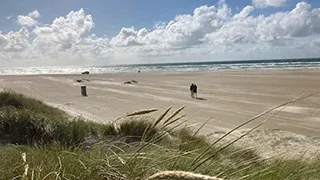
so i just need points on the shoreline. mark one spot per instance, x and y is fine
(173, 67)
(172, 72)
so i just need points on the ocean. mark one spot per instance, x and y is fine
(169, 67)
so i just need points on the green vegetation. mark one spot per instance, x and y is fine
(42, 142)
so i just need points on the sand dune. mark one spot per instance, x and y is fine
(230, 98)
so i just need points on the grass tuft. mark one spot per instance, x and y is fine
(134, 129)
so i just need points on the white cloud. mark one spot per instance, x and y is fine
(14, 41)
(8, 17)
(127, 37)
(209, 33)
(29, 20)
(34, 14)
(3, 40)
(184, 31)
(62, 36)
(26, 21)
(244, 13)
(268, 3)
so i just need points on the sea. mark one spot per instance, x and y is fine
(170, 67)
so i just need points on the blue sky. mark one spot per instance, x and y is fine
(262, 29)
(111, 15)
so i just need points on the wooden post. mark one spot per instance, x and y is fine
(84, 91)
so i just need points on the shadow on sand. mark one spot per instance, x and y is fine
(202, 99)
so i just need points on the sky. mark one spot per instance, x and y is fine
(104, 32)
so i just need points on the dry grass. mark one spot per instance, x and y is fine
(137, 147)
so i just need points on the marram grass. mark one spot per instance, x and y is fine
(41, 142)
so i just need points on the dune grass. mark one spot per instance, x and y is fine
(42, 142)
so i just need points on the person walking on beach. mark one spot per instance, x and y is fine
(195, 90)
(192, 89)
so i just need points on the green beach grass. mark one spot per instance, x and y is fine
(38, 141)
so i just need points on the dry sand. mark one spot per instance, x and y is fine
(229, 98)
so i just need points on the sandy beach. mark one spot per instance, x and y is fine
(228, 98)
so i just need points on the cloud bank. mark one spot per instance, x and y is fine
(209, 33)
